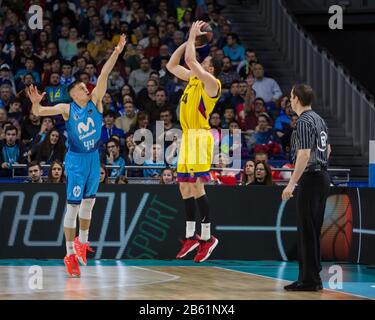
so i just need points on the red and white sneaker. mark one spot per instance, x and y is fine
(72, 265)
(205, 249)
(81, 250)
(188, 245)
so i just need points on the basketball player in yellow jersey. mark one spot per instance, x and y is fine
(196, 150)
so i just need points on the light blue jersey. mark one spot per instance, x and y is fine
(82, 161)
(84, 128)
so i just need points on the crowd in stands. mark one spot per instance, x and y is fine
(76, 40)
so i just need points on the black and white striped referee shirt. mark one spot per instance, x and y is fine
(311, 133)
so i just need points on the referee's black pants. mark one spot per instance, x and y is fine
(313, 190)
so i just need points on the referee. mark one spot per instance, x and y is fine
(310, 153)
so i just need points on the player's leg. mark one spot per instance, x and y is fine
(81, 244)
(208, 242)
(191, 241)
(74, 185)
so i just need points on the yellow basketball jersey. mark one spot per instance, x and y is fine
(196, 106)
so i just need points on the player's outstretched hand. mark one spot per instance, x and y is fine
(121, 44)
(34, 95)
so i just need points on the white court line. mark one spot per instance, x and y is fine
(161, 272)
(274, 278)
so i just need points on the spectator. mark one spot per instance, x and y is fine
(4, 120)
(85, 78)
(248, 175)
(146, 97)
(56, 92)
(167, 176)
(35, 172)
(138, 78)
(263, 174)
(80, 66)
(228, 75)
(263, 132)
(91, 71)
(163, 54)
(286, 138)
(30, 127)
(15, 110)
(56, 172)
(12, 152)
(47, 124)
(104, 179)
(143, 122)
(66, 77)
(156, 161)
(5, 95)
(266, 88)
(29, 67)
(6, 77)
(109, 104)
(52, 148)
(128, 119)
(115, 82)
(245, 67)
(68, 48)
(222, 177)
(233, 49)
(228, 117)
(112, 157)
(98, 46)
(109, 129)
(182, 9)
(282, 123)
(225, 30)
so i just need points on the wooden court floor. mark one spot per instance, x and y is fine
(169, 281)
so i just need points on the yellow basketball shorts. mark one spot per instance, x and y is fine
(195, 156)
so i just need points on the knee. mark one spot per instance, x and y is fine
(198, 190)
(70, 219)
(85, 210)
(185, 190)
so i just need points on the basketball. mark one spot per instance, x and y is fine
(206, 38)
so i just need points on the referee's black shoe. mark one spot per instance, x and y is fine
(300, 286)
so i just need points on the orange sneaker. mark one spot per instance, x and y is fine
(81, 250)
(72, 265)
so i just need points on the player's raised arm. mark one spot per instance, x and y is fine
(101, 85)
(211, 87)
(174, 66)
(38, 110)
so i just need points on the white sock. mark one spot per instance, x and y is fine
(69, 248)
(206, 231)
(190, 229)
(83, 236)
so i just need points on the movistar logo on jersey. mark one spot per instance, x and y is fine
(84, 129)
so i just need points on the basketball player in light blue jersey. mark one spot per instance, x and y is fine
(83, 118)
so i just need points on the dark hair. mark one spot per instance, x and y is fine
(106, 179)
(244, 177)
(110, 113)
(268, 178)
(11, 128)
(304, 93)
(122, 178)
(66, 63)
(50, 179)
(48, 151)
(234, 36)
(115, 141)
(73, 84)
(33, 164)
(165, 109)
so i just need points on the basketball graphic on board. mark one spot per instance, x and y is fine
(337, 230)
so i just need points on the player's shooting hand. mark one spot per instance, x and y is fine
(288, 192)
(196, 27)
(34, 95)
(121, 44)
